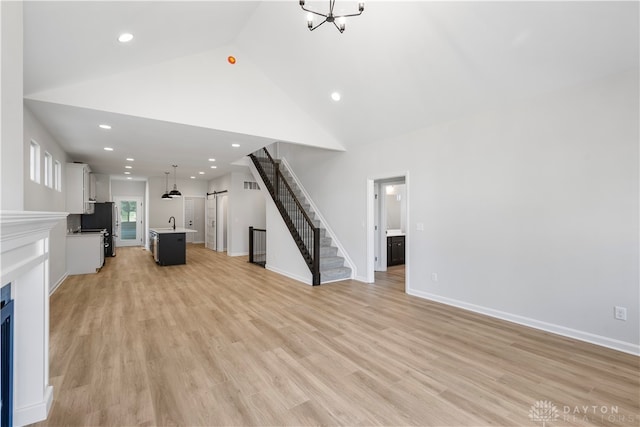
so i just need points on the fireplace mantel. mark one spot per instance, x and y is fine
(24, 262)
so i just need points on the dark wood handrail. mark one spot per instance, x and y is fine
(290, 191)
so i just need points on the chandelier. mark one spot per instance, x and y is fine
(337, 20)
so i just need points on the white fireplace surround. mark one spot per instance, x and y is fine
(24, 262)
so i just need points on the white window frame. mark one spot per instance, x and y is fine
(34, 161)
(48, 169)
(57, 175)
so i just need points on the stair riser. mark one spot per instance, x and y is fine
(335, 274)
(328, 251)
(333, 262)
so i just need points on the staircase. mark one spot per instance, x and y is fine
(306, 229)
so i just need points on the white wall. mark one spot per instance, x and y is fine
(239, 99)
(38, 197)
(530, 212)
(246, 208)
(124, 188)
(160, 210)
(283, 256)
(11, 152)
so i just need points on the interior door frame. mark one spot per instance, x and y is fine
(184, 213)
(371, 224)
(140, 221)
(215, 195)
(208, 219)
(224, 224)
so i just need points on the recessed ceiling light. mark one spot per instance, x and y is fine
(108, 149)
(128, 167)
(201, 173)
(235, 145)
(212, 160)
(129, 177)
(127, 173)
(129, 159)
(104, 127)
(335, 96)
(214, 167)
(193, 177)
(125, 37)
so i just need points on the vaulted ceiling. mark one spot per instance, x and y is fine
(171, 97)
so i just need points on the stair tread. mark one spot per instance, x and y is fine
(335, 274)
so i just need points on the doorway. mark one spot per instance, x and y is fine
(130, 221)
(388, 227)
(216, 221)
(194, 218)
(210, 233)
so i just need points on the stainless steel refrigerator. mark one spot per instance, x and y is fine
(104, 217)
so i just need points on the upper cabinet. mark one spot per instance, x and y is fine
(80, 189)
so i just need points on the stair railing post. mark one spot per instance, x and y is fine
(251, 244)
(316, 256)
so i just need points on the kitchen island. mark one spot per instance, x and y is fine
(169, 245)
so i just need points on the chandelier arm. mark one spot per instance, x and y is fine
(314, 12)
(311, 29)
(348, 16)
(337, 26)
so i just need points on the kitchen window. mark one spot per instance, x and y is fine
(34, 161)
(57, 175)
(48, 170)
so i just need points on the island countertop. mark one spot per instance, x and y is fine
(170, 230)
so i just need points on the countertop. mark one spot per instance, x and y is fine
(393, 233)
(170, 230)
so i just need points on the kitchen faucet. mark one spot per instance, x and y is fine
(174, 221)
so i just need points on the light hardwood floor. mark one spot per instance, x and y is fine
(219, 341)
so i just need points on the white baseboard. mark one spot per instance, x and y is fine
(623, 346)
(362, 279)
(36, 412)
(58, 283)
(305, 280)
(237, 253)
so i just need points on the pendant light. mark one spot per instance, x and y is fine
(175, 192)
(166, 195)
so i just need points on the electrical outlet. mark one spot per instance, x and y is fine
(434, 277)
(620, 313)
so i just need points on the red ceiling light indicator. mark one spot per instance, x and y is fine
(231, 59)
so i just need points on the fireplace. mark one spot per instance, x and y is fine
(6, 356)
(24, 258)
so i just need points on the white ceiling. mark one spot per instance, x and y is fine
(400, 66)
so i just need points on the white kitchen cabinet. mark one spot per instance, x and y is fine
(80, 189)
(85, 252)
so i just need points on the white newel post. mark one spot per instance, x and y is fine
(24, 262)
